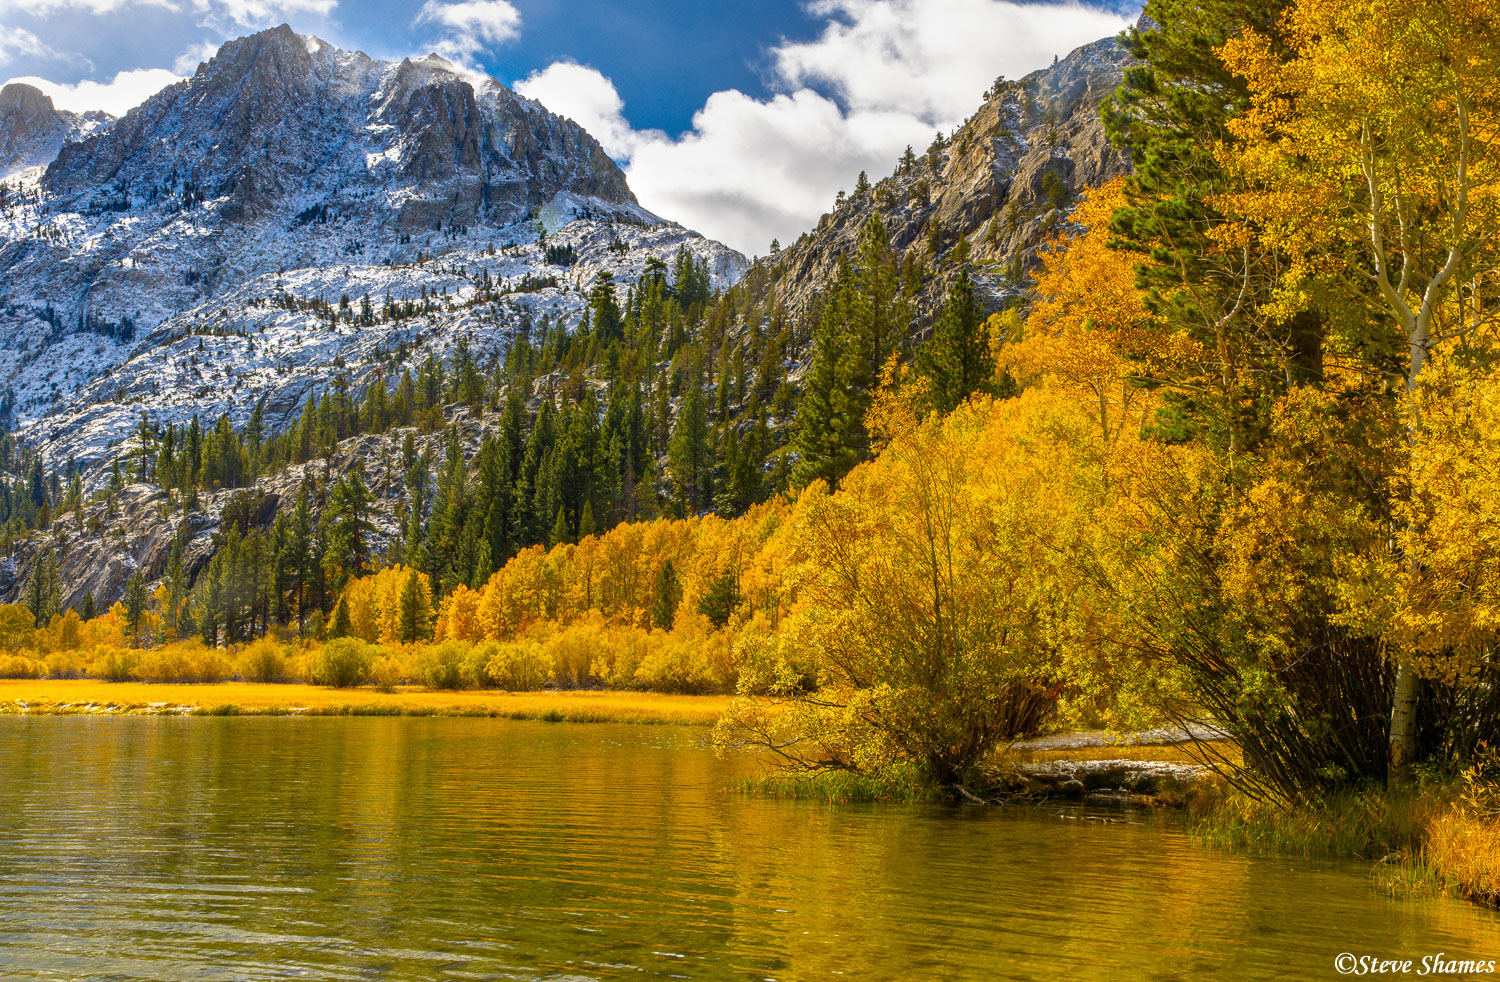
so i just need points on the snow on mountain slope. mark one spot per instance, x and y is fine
(32, 130)
(171, 262)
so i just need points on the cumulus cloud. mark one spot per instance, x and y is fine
(187, 63)
(229, 15)
(585, 96)
(470, 26)
(44, 8)
(222, 14)
(19, 42)
(882, 74)
(117, 96)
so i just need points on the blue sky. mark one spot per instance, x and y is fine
(739, 119)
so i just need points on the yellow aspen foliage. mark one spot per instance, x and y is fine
(1445, 602)
(1386, 110)
(1090, 328)
(458, 619)
(932, 610)
(375, 604)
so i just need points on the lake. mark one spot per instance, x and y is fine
(401, 848)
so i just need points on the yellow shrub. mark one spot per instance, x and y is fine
(517, 666)
(112, 664)
(442, 666)
(182, 662)
(262, 661)
(69, 664)
(387, 673)
(681, 665)
(573, 649)
(21, 667)
(476, 666)
(341, 663)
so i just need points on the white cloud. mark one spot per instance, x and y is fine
(228, 15)
(470, 26)
(751, 169)
(17, 41)
(920, 56)
(44, 8)
(117, 96)
(590, 100)
(187, 63)
(222, 14)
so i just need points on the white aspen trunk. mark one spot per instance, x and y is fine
(1403, 739)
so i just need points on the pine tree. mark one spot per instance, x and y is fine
(415, 623)
(604, 310)
(560, 533)
(1171, 117)
(347, 520)
(830, 437)
(668, 595)
(690, 454)
(340, 626)
(135, 606)
(44, 590)
(957, 360)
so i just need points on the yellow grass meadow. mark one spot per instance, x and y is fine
(86, 696)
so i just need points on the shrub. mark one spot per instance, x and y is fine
(183, 662)
(263, 661)
(441, 666)
(680, 665)
(476, 666)
(21, 667)
(519, 666)
(113, 664)
(387, 673)
(69, 664)
(341, 663)
(573, 651)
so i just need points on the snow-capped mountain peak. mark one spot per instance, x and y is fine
(245, 201)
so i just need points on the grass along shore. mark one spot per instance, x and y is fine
(54, 697)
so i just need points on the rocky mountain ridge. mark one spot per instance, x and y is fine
(33, 130)
(1003, 184)
(201, 253)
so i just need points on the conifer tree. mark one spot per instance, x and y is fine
(690, 454)
(135, 606)
(347, 520)
(668, 594)
(340, 626)
(830, 435)
(957, 360)
(416, 611)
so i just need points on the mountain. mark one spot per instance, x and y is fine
(32, 130)
(222, 248)
(189, 257)
(1005, 182)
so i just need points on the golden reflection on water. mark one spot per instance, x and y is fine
(456, 848)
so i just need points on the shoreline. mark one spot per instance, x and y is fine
(93, 697)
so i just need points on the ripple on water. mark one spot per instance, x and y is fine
(242, 848)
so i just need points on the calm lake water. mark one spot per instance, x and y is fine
(244, 848)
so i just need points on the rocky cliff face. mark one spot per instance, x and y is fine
(192, 257)
(278, 122)
(32, 130)
(1005, 183)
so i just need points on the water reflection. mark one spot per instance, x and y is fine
(455, 849)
